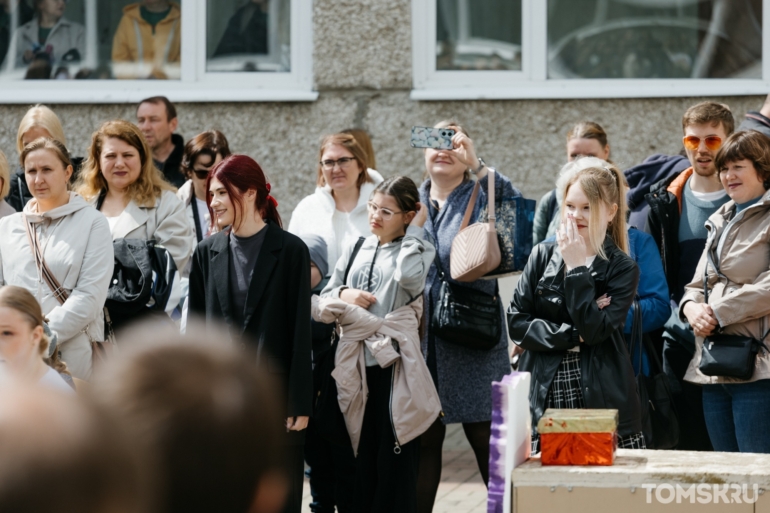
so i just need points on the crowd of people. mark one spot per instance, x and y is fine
(262, 350)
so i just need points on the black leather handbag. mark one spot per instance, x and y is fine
(466, 317)
(660, 423)
(733, 356)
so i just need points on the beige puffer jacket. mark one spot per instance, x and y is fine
(741, 297)
(414, 399)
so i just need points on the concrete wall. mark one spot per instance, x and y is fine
(363, 68)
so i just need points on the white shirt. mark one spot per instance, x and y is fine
(707, 196)
(203, 217)
(112, 222)
(53, 380)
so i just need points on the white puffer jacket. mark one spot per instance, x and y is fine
(77, 247)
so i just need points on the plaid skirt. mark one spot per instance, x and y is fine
(566, 392)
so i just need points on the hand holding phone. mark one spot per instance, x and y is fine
(430, 137)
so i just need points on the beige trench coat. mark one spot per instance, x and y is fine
(414, 399)
(741, 297)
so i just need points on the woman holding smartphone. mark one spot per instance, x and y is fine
(463, 376)
(575, 349)
(255, 277)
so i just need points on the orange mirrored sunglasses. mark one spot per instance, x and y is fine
(692, 143)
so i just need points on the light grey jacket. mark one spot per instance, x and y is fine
(65, 36)
(76, 245)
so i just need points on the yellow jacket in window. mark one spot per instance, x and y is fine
(140, 52)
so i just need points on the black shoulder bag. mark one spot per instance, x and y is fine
(327, 416)
(464, 316)
(731, 356)
(659, 419)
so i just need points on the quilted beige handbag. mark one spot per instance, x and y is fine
(475, 250)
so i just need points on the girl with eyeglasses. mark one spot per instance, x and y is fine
(337, 209)
(387, 274)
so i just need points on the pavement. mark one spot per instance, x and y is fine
(461, 489)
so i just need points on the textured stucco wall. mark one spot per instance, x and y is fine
(524, 139)
(362, 68)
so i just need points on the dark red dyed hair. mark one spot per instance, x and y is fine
(238, 174)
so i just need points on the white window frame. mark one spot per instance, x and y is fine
(532, 81)
(196, 84)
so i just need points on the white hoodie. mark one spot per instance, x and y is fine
(315, 214)
(77, 246)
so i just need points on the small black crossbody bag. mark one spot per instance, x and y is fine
(733, 356)
(464, 316)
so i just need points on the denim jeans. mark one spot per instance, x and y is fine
(737, 416)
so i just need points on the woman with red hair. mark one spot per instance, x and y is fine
(255, 277)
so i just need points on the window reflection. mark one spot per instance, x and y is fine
(478, 34)
(251, 35)
(655, 38)
(90, 39)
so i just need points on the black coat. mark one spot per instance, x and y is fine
(663, 225)
(172, 167)
(550, 311)
(277, 313)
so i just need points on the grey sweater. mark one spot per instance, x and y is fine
(394, 272)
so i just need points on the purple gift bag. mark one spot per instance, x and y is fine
(511, 439)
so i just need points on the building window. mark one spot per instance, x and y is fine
(250, 37)
(589, 48)
(146, 47)
(663, 39)
(478, 34)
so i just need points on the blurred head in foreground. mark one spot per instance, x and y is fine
(208, 416)
(60, 454)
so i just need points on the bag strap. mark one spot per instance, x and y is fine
(469, 208)
(475, 195)
(710, 261)
(356, 248)
(59, 292)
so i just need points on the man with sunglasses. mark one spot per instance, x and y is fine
(679, 208)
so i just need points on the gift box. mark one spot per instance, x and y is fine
(578, 437)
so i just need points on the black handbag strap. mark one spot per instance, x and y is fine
(637, 337)
(356, 249)
(710, 261)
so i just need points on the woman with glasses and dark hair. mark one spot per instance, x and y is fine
(337, 210)
(255, 277)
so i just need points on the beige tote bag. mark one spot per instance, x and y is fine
(475, 250)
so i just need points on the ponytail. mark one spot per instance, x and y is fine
(269, 208)
(618, 229)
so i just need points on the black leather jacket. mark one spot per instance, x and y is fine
(550, 311)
